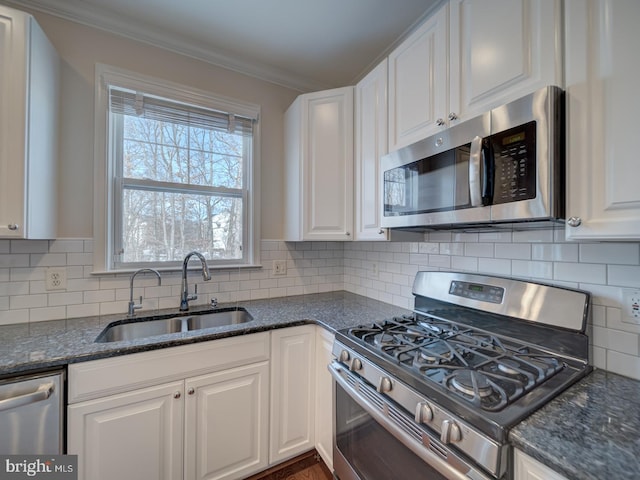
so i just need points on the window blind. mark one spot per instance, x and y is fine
(151, 107)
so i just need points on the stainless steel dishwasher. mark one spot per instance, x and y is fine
(31, 414)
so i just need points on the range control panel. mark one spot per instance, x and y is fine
(476, 291)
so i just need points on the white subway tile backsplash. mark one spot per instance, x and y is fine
(614, 253)
(580, 272)
(520, 251)
(312, 267)
(624, 275)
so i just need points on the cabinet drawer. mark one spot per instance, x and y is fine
(98, 378)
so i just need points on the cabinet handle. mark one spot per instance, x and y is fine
(574, 221)
(177, 395)
(453, 116)
(381, 231)
(440, 122)
(191, 391)
(12, 226)
(348, 234)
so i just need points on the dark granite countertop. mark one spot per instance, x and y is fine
(41, 345)
(589, 432)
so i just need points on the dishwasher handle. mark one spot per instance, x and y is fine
(43, 392)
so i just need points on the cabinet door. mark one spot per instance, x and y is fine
(324, 396)
(14, 27)
(292, 392)
(371, 144)
(319, 166)
(527, 468)
(226, 423)
(501, 50)
(29, 95)
(130, 436)
(418, 82)
(603, 201)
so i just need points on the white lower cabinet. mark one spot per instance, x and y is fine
(324, 396)
(227, 423)
(292, 392)
(198, 424)
(527, 468)
(133, 435)
(220, 410)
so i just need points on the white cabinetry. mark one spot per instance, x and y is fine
(370, 145)
(527, 468)
(501, 50)
(29, 95)
(324, 396)
(471, 56)
(230, 424)
(319, 166)
(123, 423)
(418, 82)
(292, 392)
(603, 201)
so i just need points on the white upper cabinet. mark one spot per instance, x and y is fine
(29, 95)
(319, 166)
(501, 50)
(418, 82)
(602, 38)
(370, 145)
(471, 56)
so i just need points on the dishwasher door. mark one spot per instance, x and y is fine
(31, 414)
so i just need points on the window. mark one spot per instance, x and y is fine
(179, 172)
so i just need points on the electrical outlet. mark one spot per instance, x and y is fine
(56, 278)
(375, 273)
(631, 308)
(279, 267)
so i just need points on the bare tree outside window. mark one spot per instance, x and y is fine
(181, 188)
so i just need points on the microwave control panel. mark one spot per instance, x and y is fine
(514, 154)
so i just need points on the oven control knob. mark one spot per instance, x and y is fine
(344, 356)
(384, 385)
(424, 413)
(356, 364)
(450, 432)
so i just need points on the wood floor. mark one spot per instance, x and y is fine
(307, 466)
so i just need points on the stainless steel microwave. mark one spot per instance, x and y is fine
(505, 167)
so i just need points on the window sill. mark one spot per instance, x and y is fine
(177, 269)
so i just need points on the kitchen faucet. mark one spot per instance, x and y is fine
(132, 305)
(184, 296)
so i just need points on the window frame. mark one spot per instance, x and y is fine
(106, 208)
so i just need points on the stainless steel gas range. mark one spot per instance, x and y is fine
(433, 395)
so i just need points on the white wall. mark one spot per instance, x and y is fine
(82, 47)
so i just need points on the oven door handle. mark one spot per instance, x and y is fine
(420, 449)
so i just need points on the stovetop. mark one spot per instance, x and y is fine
(485, 370)
(487, 349)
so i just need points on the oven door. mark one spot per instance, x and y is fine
(374, 440)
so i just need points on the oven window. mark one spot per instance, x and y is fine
(434, 184)
(372, 452)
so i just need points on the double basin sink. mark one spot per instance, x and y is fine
(137, 328)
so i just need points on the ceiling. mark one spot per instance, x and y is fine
(303, 44)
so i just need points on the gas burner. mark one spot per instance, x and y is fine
(509, 366)
(471, 383)
(435, 352)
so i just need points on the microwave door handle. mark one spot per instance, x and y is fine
(475, 181)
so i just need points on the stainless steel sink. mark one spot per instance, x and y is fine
(149, 327)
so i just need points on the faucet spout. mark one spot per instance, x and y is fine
(206, 275)
(132, 305)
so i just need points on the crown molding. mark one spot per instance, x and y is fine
(79, 12)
